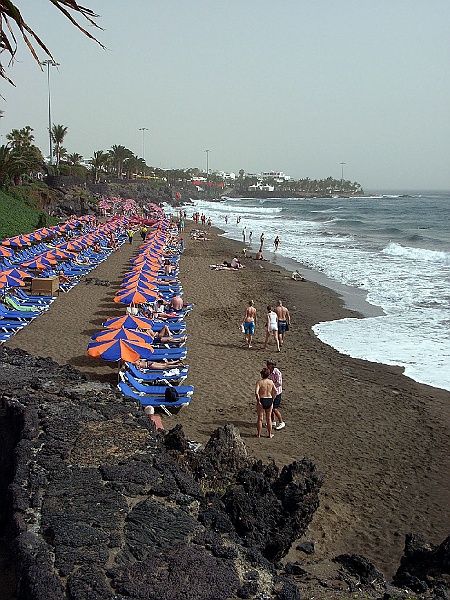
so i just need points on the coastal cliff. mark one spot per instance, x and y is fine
(95, 503)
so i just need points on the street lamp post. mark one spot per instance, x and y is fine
(207, 164)
(342, 174)
(143, 129)
(207, 172)
(50, 63)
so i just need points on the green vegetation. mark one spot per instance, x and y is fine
(19, 213)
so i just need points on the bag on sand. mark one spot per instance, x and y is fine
(171, 394)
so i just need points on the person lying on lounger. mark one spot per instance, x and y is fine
(159, 365)
(164, 336)
(63, 278)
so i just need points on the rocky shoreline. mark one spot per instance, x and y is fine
(94, 503)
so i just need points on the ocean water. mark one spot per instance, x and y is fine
(393, 248)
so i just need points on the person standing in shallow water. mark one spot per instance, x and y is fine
(276, 243)
(249, 323)
(265, 393)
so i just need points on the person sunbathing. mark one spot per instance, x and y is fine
(63, 278)
(235, 264)
(297, 276)
(164, 336)
(159, 365)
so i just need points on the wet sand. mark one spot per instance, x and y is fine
(380, 439)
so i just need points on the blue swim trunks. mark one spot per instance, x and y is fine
(281, 326)
(249, 327)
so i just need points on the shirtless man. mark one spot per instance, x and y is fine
(176, 303)
(249, 323)
(265, 393)
(284, 320)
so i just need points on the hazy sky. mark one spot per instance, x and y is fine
(292, 85)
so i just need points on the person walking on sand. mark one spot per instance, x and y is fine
(130, 234)
(276, 243)
(265, 393)
(272, 327)
(284, 320)
(277, 378)
(250, 323)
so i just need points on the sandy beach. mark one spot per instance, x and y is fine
(380, 439)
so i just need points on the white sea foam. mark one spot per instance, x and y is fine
(422, 254)
(410, 284)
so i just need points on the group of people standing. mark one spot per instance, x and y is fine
(268, 392)
(278, 321)
(269, 388)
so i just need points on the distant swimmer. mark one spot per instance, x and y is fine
(276, 243)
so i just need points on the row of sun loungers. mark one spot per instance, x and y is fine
(150, 386)
(18, 308)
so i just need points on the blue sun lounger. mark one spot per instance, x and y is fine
(17, 314)
(176, 375)
(155, 401)
(169, 353)
(157, 380)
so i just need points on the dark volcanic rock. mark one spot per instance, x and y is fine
(95, 504)
(271, 515)
(425, 566)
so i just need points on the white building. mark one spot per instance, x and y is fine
(277, 176)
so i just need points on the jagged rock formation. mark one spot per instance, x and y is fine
(95, 503)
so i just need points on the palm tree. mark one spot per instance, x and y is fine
(118, 154)
(17, 161)
(5, 165)
(21, 138)
(10, 16)
(98, 161)
(58, 135)
(74, 159)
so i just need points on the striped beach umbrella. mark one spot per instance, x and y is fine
(122, 334)
(5, 251)
(136, 297)
(115, 350)
(129, 322)
(9, 281)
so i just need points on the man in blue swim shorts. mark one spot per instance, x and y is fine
(249, 323)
